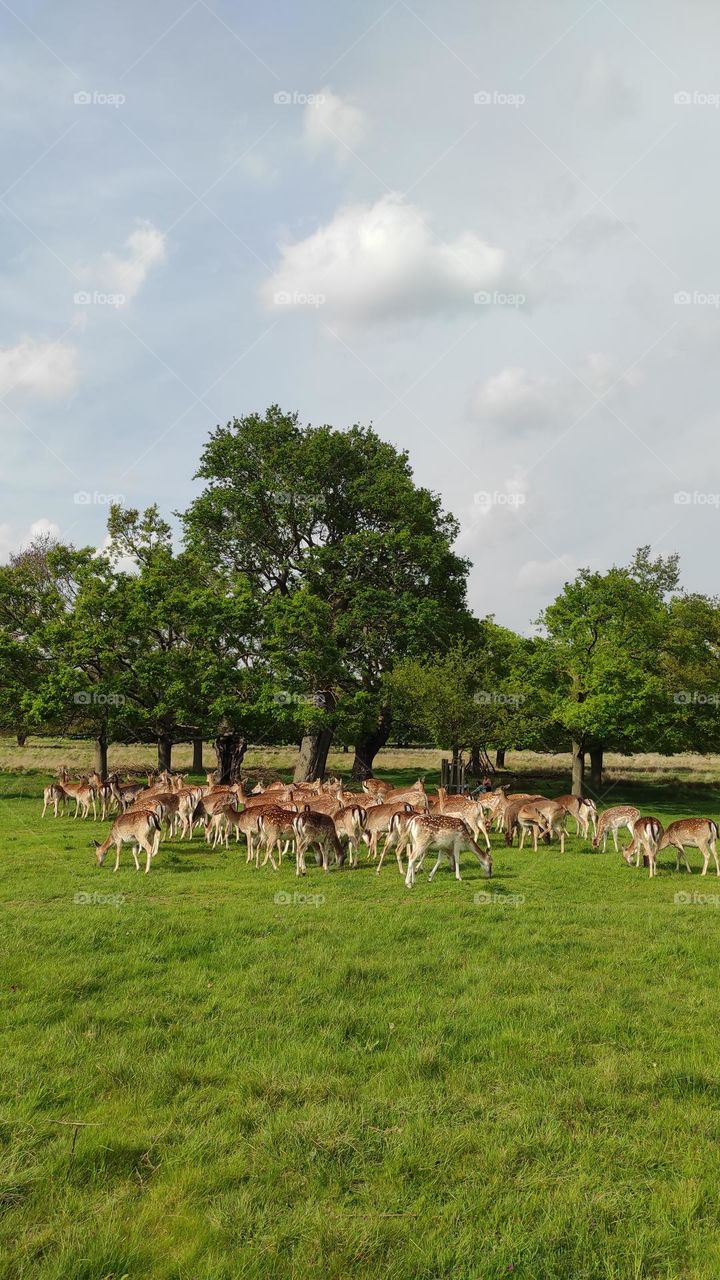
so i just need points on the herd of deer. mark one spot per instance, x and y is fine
(334, 823)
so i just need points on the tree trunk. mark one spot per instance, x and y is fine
(500, 757)
(197, 760)
(164, 749)
(101, 754)
(312, 756)
(596, 769)
(21, 736)
(230, 749)
(475, 763)
(367, 747)
(578, 768)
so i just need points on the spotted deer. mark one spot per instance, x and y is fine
(647, 833)
(696, 833)
(583, 810)
(613, 820)
(448, 835)
(83, 794)
(316, 830)
(140, 829)
(350, 825)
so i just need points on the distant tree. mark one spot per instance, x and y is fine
(332, 533)
(604, 634)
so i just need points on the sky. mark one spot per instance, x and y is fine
(488, 229)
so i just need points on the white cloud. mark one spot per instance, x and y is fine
(126, 273)
(332, 121)
(521, 402)
(48, 370)
(546, 574)
(382, 261)
(11, 540)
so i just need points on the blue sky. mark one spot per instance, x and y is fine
(182, 244)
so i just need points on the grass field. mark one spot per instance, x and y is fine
(370, 1082)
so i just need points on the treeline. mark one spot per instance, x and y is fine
(316, 597)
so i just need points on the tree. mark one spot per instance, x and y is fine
(329, 528)
(604, 633)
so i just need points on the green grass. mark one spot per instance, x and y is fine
(388, 1084)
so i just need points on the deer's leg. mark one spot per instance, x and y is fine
(615, 839)
(437, 864)
(117, 857)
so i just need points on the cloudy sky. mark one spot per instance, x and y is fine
(488, 228)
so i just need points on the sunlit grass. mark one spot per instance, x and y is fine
(384, 1083)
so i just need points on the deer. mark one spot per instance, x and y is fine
(646, 834)
(448, 835)
(584, 812)
(139, 829)
(53, 795)
(466, 807)
(509, 821)
(126, 792)
(274, 824)
(698, 833)
(83, 794)
(555, 816)
(377, 823)
(350, 824)
(318, 830)
(613, 820)
(415, 795)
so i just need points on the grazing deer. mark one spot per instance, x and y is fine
(531, 818)
(83, 794)
(397, 834)
(584, 812)
(698, 833)
(350, 824)
(613, 820)
(646, 837)
(415, 795)
(467, 808)
(448, 835)
(316, 830)
(140, 829)
(509, 821)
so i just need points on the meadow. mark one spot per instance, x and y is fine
(214, 1072)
